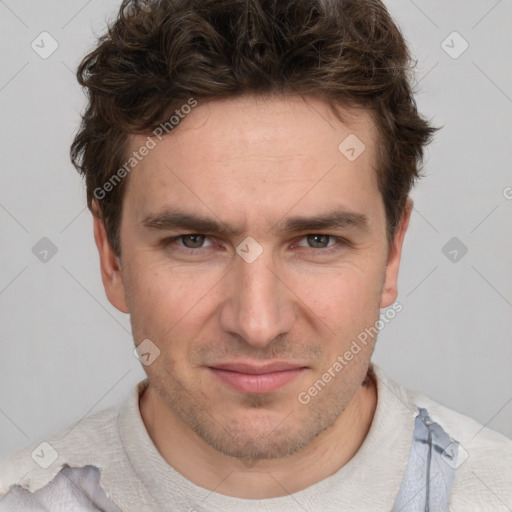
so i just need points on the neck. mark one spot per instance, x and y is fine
(206, 467)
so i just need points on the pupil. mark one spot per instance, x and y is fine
(194, 238)
(316, 237)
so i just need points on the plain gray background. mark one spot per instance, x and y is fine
(67, 352)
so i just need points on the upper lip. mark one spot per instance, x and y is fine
(255, 368)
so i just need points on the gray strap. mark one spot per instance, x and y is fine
(430, 469)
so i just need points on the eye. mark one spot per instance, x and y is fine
(192, 241)
(318, 241)
(319, 244)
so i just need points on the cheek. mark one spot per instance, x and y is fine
(348, 306)
(163, 301)
(343, 295)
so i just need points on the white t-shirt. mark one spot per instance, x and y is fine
(107, 462)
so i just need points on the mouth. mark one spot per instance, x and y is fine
(257, 378)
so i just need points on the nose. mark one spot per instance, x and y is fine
(260, 305)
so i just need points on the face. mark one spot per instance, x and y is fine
(286, 264)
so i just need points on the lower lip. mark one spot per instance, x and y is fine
(257, 383)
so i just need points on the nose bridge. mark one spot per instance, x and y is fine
(260, 306)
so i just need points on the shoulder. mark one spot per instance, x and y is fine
(85, 442)
(483, 476)
(76, 489)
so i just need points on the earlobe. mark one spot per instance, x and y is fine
(111, 273)
(390, 286)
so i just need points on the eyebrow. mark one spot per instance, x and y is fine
(174, 219)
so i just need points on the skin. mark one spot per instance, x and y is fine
(248, 163)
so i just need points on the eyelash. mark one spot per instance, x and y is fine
(324, 251)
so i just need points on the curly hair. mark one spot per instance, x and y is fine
(158, 54)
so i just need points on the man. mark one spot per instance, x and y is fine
(248, 165)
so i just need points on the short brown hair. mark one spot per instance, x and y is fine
(157, 54)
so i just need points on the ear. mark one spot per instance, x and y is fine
(110, 267)
(390, 288)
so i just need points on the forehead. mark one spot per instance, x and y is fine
(254, 157)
